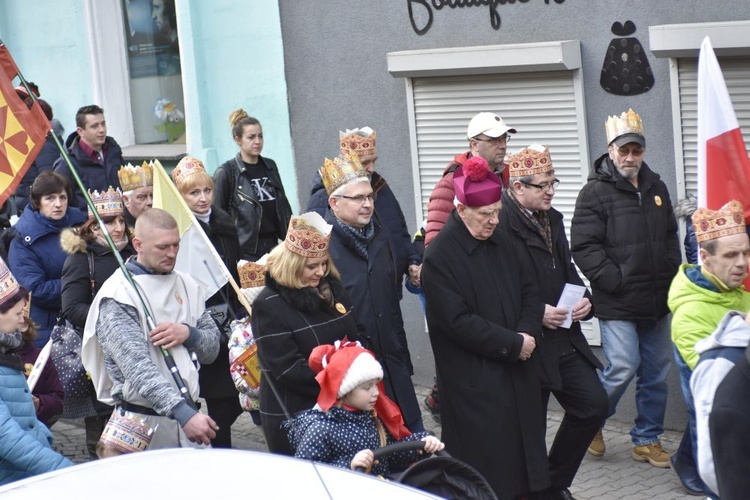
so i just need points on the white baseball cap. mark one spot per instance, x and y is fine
(488, 124)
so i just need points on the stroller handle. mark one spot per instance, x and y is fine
(400, 447)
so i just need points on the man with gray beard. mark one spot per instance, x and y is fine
(624, 240)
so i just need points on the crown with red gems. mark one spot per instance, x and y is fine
(108, 203)
(339, 171)
(308, 235)
(714, 224)
(530, 161)
(8, 284)
(627, 123)
(136, 177)
(361, 141)
(252, 274)
(185, 168)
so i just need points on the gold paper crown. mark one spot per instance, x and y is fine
(252, 274)
(627, 123)
(308, 235)
(108, 203)
(360, 141)
(185, 168)
(136, 177)
(714, 224)
(530, 161)
(339, 171)
(8, 284)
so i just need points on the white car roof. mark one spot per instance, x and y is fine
(210, 473)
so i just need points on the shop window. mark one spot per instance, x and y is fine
(154, 71)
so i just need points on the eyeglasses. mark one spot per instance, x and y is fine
(360, 198)
(544, 187)
(495, 140)
(635, 151)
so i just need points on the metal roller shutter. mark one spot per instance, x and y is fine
(737, 76)
(545, 108)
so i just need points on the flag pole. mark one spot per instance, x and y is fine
(150, 322)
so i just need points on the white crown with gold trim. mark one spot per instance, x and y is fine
(132, 177)
(308, 235)
(8, 284)
(362, 141)
(627, 123)
(108, 203)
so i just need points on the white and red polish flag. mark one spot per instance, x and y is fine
(723, 164)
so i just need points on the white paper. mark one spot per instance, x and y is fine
(571, 295)
(41, 360)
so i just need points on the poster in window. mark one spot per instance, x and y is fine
(151, 33)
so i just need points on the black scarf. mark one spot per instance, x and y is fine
(537, 221)
(361, 237)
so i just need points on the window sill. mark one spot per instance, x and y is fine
(165, 153)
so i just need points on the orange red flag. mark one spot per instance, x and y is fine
(22, 130)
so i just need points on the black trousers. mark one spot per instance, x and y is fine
(585, 403)
(224, 411)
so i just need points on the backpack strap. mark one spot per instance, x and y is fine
(90, 255)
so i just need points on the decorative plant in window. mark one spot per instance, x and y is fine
(172, 119)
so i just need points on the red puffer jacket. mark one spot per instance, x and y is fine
(441, 199)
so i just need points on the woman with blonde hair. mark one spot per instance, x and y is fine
(217, 387)
(249, 188)
(302, 306)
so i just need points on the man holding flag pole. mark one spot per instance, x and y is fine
(20, 143)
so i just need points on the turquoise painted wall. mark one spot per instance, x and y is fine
(48, 41)
(232, 57)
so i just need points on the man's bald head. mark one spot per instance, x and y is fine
(156, 240)
(152, 219)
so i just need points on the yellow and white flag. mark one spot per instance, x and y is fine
(197, 256)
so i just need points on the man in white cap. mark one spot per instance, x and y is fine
(488, 137)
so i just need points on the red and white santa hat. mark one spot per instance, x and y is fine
(343, 366)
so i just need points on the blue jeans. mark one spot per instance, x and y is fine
(640, 349)
(687, 452)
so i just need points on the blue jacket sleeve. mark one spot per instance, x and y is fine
(28, 269)
(23, 450)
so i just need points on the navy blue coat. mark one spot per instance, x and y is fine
(388, 213)
(25, 443)
(369, 284)
(36, 260)
(93, 175)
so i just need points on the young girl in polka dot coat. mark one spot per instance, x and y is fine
(353, 415)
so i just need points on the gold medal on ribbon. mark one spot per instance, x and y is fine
(657, 200)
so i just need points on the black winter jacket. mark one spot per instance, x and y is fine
(288, 324)
(245, 209)
(624, 240)
(76, 282)
(551, 271)
(94, 175)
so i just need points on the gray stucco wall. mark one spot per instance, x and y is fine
(335, 57)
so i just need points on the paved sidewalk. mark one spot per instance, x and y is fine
(614, 476)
